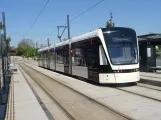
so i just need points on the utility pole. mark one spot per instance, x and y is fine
(3, 53)
(36, 45)
(2, 60)
(59, 36)
(4, 35)
(4, 25)
(68, 25)
(70, 56)
(111, 17)
(48, 41)
(110, 23)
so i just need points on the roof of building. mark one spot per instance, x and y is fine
(150, 37)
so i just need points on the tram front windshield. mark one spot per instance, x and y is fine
(122, 46)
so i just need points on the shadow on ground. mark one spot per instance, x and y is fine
(111, 85)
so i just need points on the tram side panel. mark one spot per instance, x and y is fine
(85, 59)
(41, 59)
(52, 61)
(59, 60)
(62, 59)
(46, 59)
(79, 61)
(89, 61)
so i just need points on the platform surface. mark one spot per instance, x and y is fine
(151, 76)
(26, 105)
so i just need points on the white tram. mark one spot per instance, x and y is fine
(104, 56)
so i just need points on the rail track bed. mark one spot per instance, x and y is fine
(75, 105)
(129, 104)
(143, 91)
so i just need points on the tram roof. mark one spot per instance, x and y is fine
(78, 38)
(43, 49)
(72, 40)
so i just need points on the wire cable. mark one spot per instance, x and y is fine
(86, 10)
(37, 18)
(82, 13)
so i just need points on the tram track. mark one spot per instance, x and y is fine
(141, 93)
(59, 105)
(149, 87)
(69, 113)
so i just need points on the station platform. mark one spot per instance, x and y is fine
(22, 103)
(151, 78)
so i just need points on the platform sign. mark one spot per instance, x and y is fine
(149, 52)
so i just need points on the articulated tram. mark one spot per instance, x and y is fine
(104, 56)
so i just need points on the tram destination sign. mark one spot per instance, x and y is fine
(121, 39)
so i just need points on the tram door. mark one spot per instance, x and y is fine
(93, 63)
(66, 62)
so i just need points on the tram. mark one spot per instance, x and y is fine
(106, 55)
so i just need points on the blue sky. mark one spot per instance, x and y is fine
(142, 15)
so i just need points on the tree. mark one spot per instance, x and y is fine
(109, 23)
(25, 48)
(1, 25)
(159, 47)
(8, 40)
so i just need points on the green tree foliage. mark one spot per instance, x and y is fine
(159, 47)
(109, 24)
(1, 25)
(158, 51)
(25, 48)
(8, 40)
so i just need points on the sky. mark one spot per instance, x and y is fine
(142, 15)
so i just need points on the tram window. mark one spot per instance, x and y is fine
(78, 57)
(50, 52)
(38, 56)
(60, 57)
(103, 60)
(45, 54)
(42, 55)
